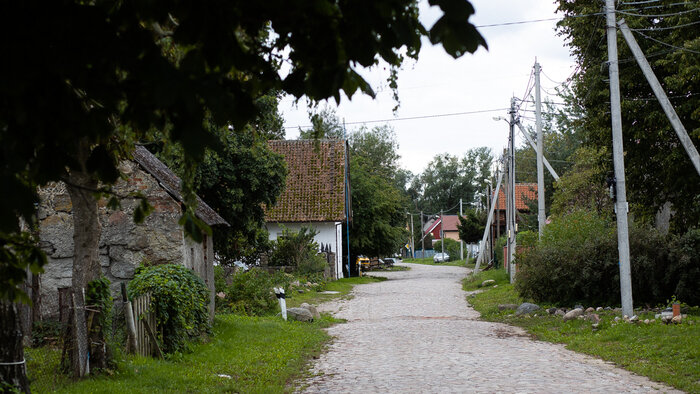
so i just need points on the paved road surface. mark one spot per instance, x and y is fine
(415, 333)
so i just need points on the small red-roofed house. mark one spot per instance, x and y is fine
(524, 193)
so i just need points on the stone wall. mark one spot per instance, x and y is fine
(123, 244)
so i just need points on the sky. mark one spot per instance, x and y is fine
(437, 84)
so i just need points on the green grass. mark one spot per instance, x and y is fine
(664, 353)
(261, 354)
(429, 261)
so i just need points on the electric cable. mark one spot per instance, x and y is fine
(666, 44)
(666, 28)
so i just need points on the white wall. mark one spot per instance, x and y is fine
(327, 235)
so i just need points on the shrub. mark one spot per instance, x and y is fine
(577, 262)
(498, 249)
(180, 300)
(451, 248)
(298, 249)
(251, 292)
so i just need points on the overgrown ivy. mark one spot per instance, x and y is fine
(180, 300)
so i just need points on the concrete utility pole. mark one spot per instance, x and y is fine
(489, 220)
(513, 226)
(534, 146)
(413, 239)
(623, 245)
(442, 231)
(461, 243)
(541, 215)
(422, 236)
(661, 95)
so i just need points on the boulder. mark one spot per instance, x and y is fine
(551, 311)
(578, 306)
(503, 307)
(560, 312)
(593, 318)
(590, 309)
(676, 319)
(299, 314)
(312, 309)
(598, 309)
(526, 308)
(488, 282)
(573, 314)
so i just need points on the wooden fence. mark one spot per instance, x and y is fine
(143, 315)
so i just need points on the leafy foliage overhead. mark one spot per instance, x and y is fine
(657, 167)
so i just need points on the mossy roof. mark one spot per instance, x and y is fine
(315, 185)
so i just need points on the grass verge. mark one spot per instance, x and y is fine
(429, 261)
(244, 354)
(664, 353)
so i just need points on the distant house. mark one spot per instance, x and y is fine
(124, 244)
(524, 193)
(316, 194)
(445, 225)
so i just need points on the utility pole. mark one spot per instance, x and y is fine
(442, 232)
(541, 215)
(623, 246)
(661, 95)
(413, 239)
(489, 220)
(461, 243)
(422, 236)
(513, 225)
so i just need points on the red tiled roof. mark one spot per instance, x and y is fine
(523, 192)
(450, 222)
(315, 186)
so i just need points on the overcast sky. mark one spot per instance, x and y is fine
(438, 84)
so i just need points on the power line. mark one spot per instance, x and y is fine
(413, 117)
(666, 44)
(666, 28)
(658, 15)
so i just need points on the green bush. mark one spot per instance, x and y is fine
(577, 262)
(451, 248)
(251, 292)
(180, 300)
(298, 249)
(498, 251)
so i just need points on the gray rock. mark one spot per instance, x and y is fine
(560, 312)
(646, 321)
(573, 314)
(312, 309)
(551, 311)
(666, 319)
(488, 282)
(299, 314)
(503, 307)
(607, 308)
(593, 318)
(598, 309)
(617, 318)
(526, 308)
(577, 306)
(590, 309)
(676, 319)
(634, 319)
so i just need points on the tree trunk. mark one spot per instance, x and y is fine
(13, 370)
(86, 265)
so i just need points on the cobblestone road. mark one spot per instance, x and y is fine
(415, 333)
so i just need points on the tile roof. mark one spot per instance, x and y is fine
(315, 186)
(450, 222)
(171, 183)
(523, 192)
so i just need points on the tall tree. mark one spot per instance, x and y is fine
(107, 77)
(378, 204)
(448, 178)
(657, 168)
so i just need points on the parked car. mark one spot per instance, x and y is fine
(441, 258)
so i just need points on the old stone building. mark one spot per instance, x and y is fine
(124, 244)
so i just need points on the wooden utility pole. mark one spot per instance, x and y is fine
(541, 214)
(461, 243)
(489, 220)
(623, 245)
(413, 240)
(422, 236)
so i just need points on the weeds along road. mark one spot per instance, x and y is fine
(415, 333)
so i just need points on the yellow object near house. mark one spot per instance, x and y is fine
(363, 262)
